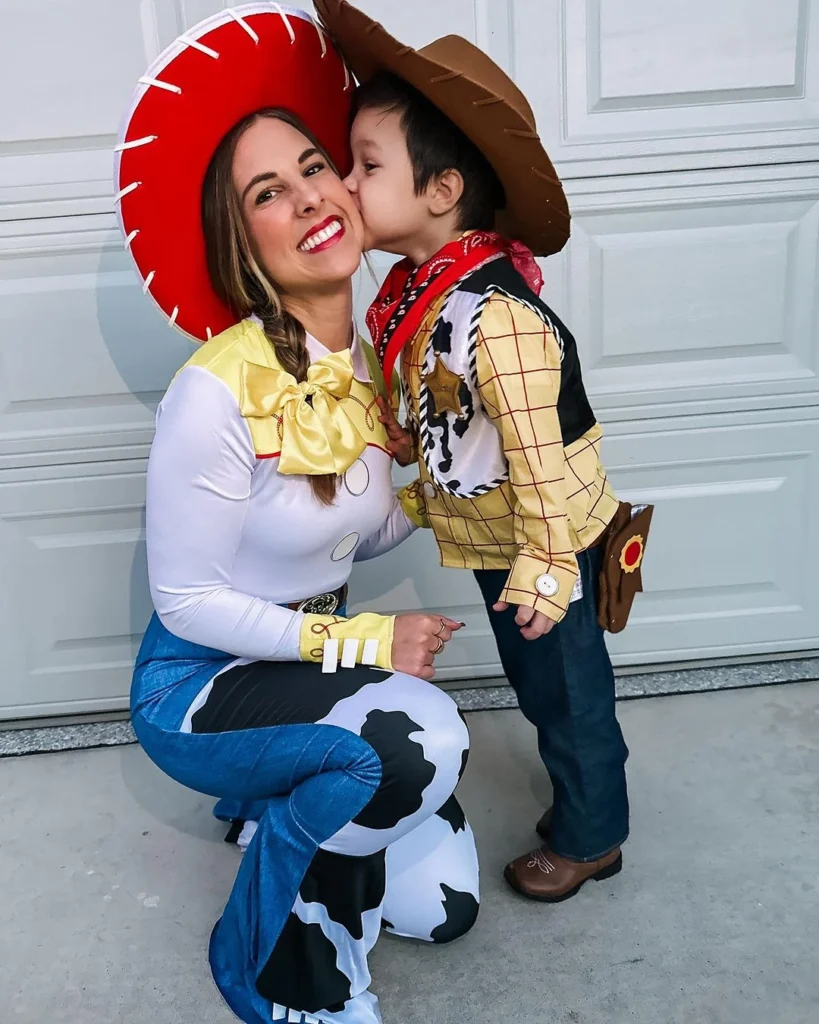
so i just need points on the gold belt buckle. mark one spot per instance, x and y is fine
(321, 604)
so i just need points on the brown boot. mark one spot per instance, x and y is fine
(545, 823)
(542, 875)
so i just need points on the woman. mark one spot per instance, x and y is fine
(268, 477)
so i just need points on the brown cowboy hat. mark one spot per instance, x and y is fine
(484, 103)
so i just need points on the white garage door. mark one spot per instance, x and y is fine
(688, 137)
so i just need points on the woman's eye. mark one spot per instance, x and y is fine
(313, 169)
(263, 197)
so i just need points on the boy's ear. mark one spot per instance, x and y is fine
(444, 192)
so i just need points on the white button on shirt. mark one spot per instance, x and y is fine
(546, 585)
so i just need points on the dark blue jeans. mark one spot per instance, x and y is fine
(565, 687)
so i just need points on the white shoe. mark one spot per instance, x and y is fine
(247, 833)
(280, 1013)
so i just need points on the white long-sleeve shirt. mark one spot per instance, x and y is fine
(231, 540)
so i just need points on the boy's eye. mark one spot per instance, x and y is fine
(369, 166)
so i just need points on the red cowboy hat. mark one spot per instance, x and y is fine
(228, 66)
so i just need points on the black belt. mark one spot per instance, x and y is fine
(322, 604)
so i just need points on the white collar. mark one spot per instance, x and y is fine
(360, 368)
(318, 351)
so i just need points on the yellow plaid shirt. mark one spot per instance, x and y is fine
(557, 501)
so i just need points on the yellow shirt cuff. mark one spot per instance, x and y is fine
(372, 633)
(542, 585)
(414, 503)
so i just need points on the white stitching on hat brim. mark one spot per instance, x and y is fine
(168, 55)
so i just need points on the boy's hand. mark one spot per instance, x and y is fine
(399, 441)
(533, 624)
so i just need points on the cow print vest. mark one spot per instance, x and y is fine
(464, 455)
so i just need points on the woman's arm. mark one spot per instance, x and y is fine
(199, 476)
(408, 513)
(199, 484)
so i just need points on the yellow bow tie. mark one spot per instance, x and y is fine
(317, 435)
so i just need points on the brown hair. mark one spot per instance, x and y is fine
(436, 144)
(235, 273)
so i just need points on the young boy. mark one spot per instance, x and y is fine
(445, 150)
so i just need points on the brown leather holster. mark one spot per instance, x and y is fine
(621, 574)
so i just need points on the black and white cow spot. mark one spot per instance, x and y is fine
(439, 428)
(346, 886)
(302, 970)
(439, 434)
(464, 762)
(418, 884)
(406, 773)
(442, 337)
(268, 693)
(465, 754)
(461, 910)
(452, 813)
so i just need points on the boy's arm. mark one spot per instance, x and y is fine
(400, 442)
(407, 514)
(518, 365)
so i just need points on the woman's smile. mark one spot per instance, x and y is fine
(323, 235)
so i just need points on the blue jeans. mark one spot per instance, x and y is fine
(335, 770)
(565, 687)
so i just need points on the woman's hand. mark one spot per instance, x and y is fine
(417, 638)
(400, 443)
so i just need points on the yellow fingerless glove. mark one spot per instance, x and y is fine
(372, 633)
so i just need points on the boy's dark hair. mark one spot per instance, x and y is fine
(435, 144)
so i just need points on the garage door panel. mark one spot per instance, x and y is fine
(710, 57)
(82, 352)
(89, 54)
(687, 137)
(695, 295)
(663, 84)
(732, 558)
(79, 603)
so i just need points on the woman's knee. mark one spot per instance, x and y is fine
(422, 743)
(448, 742)
(443, 730)
(439, 728)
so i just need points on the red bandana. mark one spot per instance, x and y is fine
(407, 292)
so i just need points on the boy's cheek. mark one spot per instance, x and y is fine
(377, 212)
(365, 208)
(373, 228)
(373, 236)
